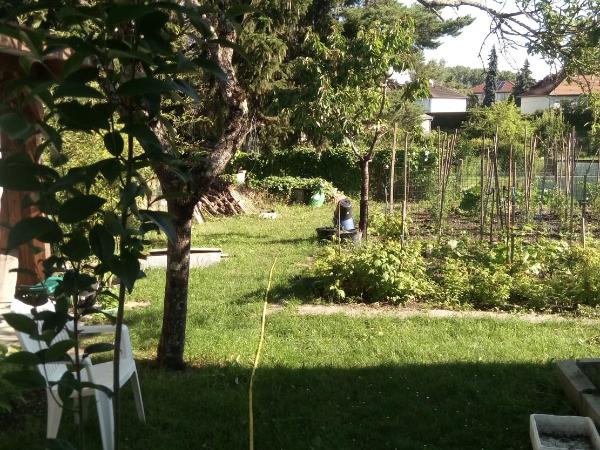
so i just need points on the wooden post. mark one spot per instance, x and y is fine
(481, 191)
(584, 210)
(497, 180)
(492, 217)
(393, 168)
(572, 181)
(405, 196)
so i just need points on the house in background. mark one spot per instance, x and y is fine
(444, 107)
(503, 91)
(556, 89)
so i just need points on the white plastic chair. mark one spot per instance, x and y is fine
(101, 374)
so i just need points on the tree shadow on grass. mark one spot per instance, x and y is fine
(298, 288)
(455, 406)
(264, 238)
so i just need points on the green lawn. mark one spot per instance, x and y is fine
(326, 382)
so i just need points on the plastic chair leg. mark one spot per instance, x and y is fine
(137, 395)
(104, 406)
(54, 415)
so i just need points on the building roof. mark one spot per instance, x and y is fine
(557, 85)
(437, 91)
(504, 87)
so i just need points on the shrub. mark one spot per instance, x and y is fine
(546, 275)
(283, 186)
(452, 280)
(374, 272)
(387, 226)
(488, 288)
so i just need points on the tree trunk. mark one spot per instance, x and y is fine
(363, 222)
(172, 337)
(182, 196)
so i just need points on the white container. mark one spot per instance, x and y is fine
(549, 432)
(240, 177)
(199, 257)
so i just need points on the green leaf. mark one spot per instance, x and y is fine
(163, 220)
(85, 117)
(71, 89)
(188, 90)
(238, 10)
(15, 126)
(148, 140)
(102, 242)
(80, 207)
(23, 359)
(112, 223)
(98, 347)
(124, 13)
(212, 68)
(21, 323)
(114, 143)
(77, 247)
(129, 54)
(66, 386)
(127, 268)
(40, 228)
(29, 379)
(19, 175)
(144, 86)
(58, 350)
(110, 168)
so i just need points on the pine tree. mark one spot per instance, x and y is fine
(491, 79)
(523, 82)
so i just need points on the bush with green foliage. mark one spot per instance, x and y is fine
(544, 276)
(375, 272)
(284, 186)
(333, 164)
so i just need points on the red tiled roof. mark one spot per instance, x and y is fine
(557, 84)
(478, 89)
(503, 87)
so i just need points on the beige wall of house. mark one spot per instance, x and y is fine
(533, 104)
(530, 105)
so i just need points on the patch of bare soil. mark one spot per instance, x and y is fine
(403, 312)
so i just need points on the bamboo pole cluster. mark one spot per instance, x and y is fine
(446, 150)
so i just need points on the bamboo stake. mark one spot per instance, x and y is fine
(481, 191)
(584, 211)
(572, 181)
(405, 197)
(393, 168)
(447, 162)
(492, 217)
(497, 179)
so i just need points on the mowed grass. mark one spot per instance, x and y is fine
(325, 382)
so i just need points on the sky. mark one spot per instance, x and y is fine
(466, 48)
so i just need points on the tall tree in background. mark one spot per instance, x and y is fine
(524, 81)
(491, 79)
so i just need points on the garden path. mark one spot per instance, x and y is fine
(378, 310)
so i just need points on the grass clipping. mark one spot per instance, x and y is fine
(256, 359)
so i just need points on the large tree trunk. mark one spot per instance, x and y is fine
(172, 338)
(363, 222)
(181, 196)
